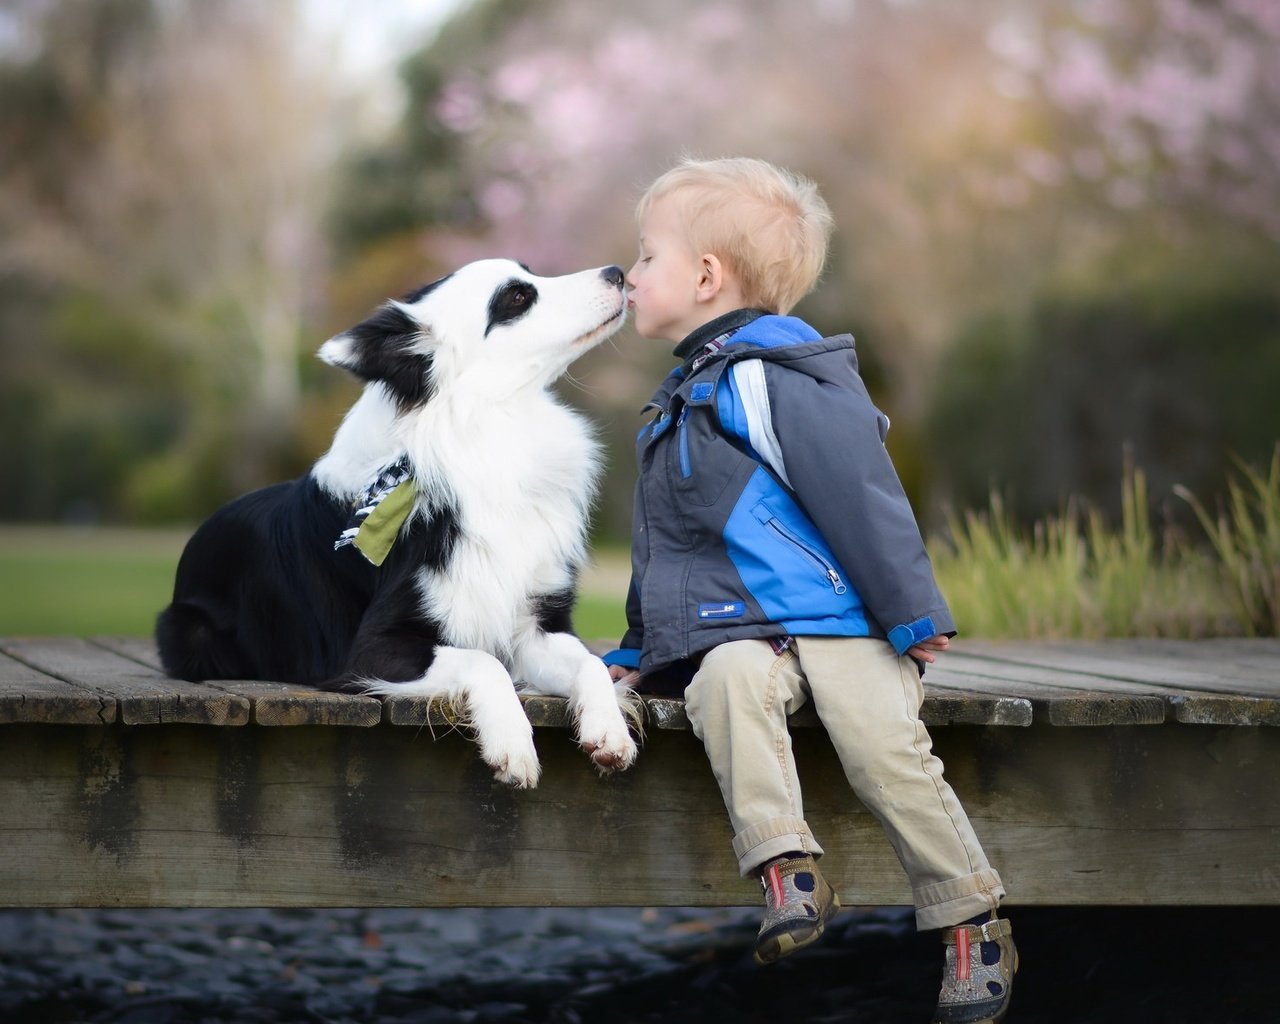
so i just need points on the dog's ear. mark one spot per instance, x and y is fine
(392, 347)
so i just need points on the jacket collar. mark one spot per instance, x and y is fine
(689, 349)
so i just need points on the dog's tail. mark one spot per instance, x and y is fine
(192, 647)
(356, 685)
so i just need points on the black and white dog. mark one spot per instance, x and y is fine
(478, 583)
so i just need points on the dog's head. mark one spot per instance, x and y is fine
(492, 317)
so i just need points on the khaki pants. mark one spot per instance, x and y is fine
(868, 699)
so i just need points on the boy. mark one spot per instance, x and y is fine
(775, 559)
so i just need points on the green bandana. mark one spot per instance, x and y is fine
(382, 526)
(380, 512)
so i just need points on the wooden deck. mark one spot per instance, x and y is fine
(1118, 772)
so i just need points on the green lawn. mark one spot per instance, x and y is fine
(102, 581)
(82, 582)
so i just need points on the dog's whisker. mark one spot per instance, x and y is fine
(578, 385)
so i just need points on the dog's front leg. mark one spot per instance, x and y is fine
(480, 690)
(492, 708)
(560, 665)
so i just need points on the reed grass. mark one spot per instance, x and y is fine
(1245, 535)
(1074, 576)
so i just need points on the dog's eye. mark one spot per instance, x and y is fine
(510, 302)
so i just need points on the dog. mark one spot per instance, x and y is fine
(494, 477)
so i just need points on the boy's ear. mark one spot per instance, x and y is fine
(710, 277)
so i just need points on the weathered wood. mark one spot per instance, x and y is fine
(1081, 683)
(1157, 665)
(386, 803)
(27, 695)
(142, 695)
(1211, 710)
(387, 816)
(282, 704)
(941, 706)
(266, 703)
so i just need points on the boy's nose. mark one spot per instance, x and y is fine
(614, 276)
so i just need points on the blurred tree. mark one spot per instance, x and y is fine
(1175, 369)
(1153, 129)
(977, 157)
(1006, 178)
(160, 208)
(1159, 102)
(558, 113)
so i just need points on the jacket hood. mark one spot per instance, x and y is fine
(781, 339)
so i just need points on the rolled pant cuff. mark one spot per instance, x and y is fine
(758, 843)
(944, 904)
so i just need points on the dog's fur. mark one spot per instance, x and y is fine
(479, 585)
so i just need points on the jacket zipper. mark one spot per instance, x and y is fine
(820, 563)
(682, 434)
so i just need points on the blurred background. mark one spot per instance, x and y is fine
(1058, 244)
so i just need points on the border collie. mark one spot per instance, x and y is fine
(478, 583)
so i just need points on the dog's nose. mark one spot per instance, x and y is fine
(613, 275)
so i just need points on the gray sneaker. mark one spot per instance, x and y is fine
(798, 904)
(977, 976)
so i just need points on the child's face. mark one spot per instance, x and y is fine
(664, 281)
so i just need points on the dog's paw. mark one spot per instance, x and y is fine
(512, 755)
(518, 771)
(609, 744)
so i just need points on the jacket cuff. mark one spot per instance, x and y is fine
(908, 634)
(627, 657)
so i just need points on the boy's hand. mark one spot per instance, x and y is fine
(927, 650)
(626, 676)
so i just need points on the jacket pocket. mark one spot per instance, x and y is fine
(702, 464)
(807, 548)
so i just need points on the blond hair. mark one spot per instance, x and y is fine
(770, 226)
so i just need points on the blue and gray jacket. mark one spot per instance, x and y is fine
(766, 504)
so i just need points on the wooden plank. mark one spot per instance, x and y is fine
(325, 817)
(542, 711)
(1114, 662)
(270, 704)
(143, 696)
(959, 669)
(1251, 666)
(1104, 709)
(28, 695)
(668, 712)
(1134, 668)
(1056, 697)
(976, 684)
(1226, 710)
(971, 708)
(284, 704)
(141, 649)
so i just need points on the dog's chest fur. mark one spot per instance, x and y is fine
(519, 477)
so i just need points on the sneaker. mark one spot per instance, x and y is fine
(977, 977)
(798, 904)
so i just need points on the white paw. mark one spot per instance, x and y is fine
(510, 752)
(606, 739)
(519, 771)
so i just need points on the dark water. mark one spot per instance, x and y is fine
(616, 965)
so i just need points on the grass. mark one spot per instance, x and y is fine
(1073, 576)
(1246, 537)
(84, 582)
(87, 582)
(1067, 576)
